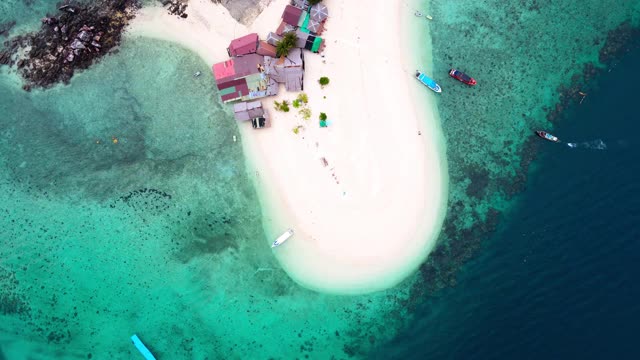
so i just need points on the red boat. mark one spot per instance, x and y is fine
(462, 77)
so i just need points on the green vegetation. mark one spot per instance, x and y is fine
(305, 112)
(296, 129)
(313, 2)
(323, 116)
(303, 98)
(296, 103)
(286, 44)
(324, 81)
(282, 106)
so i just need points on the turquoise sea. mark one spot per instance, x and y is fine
(160, 233)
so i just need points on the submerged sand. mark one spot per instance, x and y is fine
(370, 217)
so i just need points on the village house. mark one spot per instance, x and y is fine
(292, 15)
(241, 78)
(273, 38)
(254, 70)
(307, 26)
(301, 4)
(266, 49)
(252, 111)
(244, 45)
(287, 70)
(318, 15)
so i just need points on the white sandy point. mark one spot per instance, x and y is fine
(373, 228)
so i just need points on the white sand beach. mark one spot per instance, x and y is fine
(369, 218)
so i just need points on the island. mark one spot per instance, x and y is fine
(360, 176)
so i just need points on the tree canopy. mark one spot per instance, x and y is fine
(286, 44)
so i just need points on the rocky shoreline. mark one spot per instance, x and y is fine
(82, 32)
(73, 39)
(176, 7)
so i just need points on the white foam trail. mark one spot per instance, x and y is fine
(594, 145)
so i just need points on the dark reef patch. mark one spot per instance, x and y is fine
(12, 302)
(148, 201)
(479, 181)
(618, 42)
(458, 242)
(205, 234)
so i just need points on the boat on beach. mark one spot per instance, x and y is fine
(462, 77)
(429, 82)
(547, 136)
(282, 238)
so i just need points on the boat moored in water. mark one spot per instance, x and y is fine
(547, 136)
(282, 238)
(429, 82)
(462, 77)
(142, 348)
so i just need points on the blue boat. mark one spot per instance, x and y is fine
(429, 82)
(142, 348)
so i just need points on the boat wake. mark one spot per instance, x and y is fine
(594, 145)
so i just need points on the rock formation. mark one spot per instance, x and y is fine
(73, 39)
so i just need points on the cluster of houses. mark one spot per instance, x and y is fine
(254, 71)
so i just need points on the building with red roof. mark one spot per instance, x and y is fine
(244, 45)
(291, 15)
(242, 78)
(266, 49)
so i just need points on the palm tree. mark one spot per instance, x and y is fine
(285, 45)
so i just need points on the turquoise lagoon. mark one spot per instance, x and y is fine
(158, 233)
(161, 235)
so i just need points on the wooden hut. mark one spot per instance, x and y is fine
(288, 70)
(244, 45)
(241, 78)
(291, 15)
(266, 49)
(253, 112)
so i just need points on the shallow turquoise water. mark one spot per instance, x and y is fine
(158, 234)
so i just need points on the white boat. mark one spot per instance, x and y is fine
(282, 238)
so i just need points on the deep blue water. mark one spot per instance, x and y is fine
(560, 278)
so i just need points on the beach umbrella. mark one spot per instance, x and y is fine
(314, 26)
(319, 12)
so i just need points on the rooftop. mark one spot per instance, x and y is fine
(237, 68)
(244, 45)
(319, 12)
(291, 15)
(248, 110)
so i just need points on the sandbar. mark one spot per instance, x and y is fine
(366, 196)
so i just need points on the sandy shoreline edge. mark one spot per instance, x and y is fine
(369, 219)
